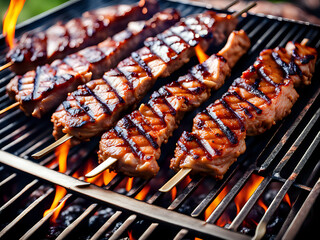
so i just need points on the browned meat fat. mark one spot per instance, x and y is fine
(263, 95)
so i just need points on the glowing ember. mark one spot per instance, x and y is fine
(129, 184)
(173, 193)
(201, 55)
(10, 20)
(143, 193)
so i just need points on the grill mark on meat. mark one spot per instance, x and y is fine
(72, 111)
(36, 83)
(128, 75)
(232, 137)
(141, 129)
(202, 144)
(290, 69)
(257, 109)
(154, 44)
(136, 57)
(105, 106)
(159, 114)
(105, 79)
(84, 107)
(263, 75)
(234, 113)
(199, 76)
(124, 134)
(304, 60)
(252, 88)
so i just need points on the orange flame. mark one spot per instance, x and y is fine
(62, 154)
(173, 193)
(10, 20)
(129, 184)
(130, 235)
(216, 202)
(60, 193)
(143, 193)
(246, 192)
(287, 199)
(201, 55)
(108, 176)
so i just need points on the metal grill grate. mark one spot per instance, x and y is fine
(284, 156)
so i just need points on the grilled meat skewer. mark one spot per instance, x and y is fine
(34, 49)
(95, 107)
(136, 139)
(263, 95)
(39, 91)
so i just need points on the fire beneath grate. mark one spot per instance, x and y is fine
(267, 193)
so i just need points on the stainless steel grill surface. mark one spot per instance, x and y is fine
(281, 167)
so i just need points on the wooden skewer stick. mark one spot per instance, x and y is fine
(304, 41)
(9, 64)
(246, 9)
(13, 105)
(52, 146)
(230, 4)
(184, 171)
(175, 179)
(101, 167)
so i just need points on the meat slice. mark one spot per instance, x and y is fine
(86, 115)
(37, 48)
(263, 95)
(136, 139)
(41, 90)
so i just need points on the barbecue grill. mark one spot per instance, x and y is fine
(282, 164)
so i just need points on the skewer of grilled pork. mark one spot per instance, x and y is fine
(37, 48)
(263, 95)
(96, 106)
(40, 91)
(136, 139)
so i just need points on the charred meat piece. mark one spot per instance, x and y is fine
(95, 107)
(263, 95)
(37, 48)
(136, 139)
(43, 89)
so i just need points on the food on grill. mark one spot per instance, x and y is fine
(38, 48)
(95, 107)
(39, 91)
(136, 139)
(263, 95)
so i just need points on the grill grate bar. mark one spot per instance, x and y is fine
(289, 132)
(296, 144)
(261, 228)
(192, 186)
(116, 235)
(230, 196)
(32, 209)
(76, 223)
(214, 192)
